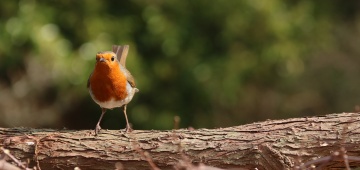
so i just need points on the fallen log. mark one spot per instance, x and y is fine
(273, 144)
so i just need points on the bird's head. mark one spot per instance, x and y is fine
(106, 59)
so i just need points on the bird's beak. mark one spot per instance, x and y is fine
(102, 60)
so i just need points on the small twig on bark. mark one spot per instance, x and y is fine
(176, 122)
(7, 153)
(147, 157)
(7, 166)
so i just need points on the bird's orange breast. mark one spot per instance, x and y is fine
(108, 83)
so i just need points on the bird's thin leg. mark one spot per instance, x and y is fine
(128, 127)
(98, 128)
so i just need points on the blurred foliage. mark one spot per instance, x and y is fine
(213, 63)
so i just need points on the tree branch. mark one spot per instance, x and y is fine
(273, 144)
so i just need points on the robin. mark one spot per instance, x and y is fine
(110, 84)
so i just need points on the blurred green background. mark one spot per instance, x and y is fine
(213, 63)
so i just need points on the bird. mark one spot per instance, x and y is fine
(110, 84)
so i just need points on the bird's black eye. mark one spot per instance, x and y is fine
(112, 58)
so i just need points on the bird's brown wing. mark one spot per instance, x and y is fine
(129, 78)
(121, 53)
(88, 82)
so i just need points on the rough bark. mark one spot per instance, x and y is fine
(273, 144)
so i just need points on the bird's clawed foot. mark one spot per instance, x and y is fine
(97, 129)
(128, 129)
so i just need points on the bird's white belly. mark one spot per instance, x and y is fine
(112, 103)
